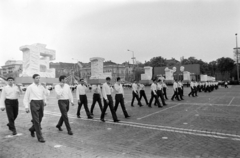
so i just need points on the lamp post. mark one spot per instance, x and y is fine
(237, 58)
(133, 58)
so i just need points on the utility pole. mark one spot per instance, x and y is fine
(133, 58)
(237, 58)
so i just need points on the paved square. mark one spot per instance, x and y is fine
(203, 126)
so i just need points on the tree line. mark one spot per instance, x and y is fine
(221, 65)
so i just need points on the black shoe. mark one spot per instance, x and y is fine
(149, 106)
(132, 105)
(127, 116)
(188, 95)
(9, 127)
(90, 117)
(164, 104)
(116, 121)
(41, 140)
(160, 106)
(78, 116)
(14, 132)
(70, 132)
(32, 133)
(59, 128)
(102, 120)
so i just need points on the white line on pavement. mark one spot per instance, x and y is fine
(163, 128)
(231, 101)
(158, 111)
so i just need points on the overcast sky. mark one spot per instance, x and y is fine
(98, 28)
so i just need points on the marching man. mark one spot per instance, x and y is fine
(9, 101)
(64, 96)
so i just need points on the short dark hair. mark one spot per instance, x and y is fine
(10, 78)
(35, 75)
(81, 79)
(118, 78)
(108, 78)
(62, 77)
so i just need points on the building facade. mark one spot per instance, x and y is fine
(11, 68)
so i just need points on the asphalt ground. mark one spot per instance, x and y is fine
(203, 126)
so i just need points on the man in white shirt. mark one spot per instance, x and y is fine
(107, 100)
(36, 96)
(142, 93)
(119, 97)
(192, 89)
(82, 98)
(135, 94)
(96, 97)
(9, 100)
(64, 96)
(175, 89)
(154, 94)
(159, 93)
(180, 90)
(195, 88)
(164, 90)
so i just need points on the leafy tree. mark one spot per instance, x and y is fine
(157, 62)
(225, 64)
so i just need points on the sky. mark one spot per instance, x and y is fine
(80, 29)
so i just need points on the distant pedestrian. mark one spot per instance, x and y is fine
(226, 84)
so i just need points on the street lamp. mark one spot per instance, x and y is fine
(237, 58)
(133, 58)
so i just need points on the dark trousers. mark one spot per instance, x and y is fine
(37, 108)
(84, 102)
(180, 93)
(143, 94)
(12, 112)
(135, 95)
(165, 92)
(195, 91)
(119, 99)
(192, 92)
(154, 97)
(96, 98)
(110, 104)
(64, 108)
(175, 94)
(160, 95)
